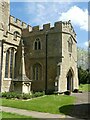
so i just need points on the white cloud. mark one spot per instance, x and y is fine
(45, 12)
(78, 17)
(86, 43)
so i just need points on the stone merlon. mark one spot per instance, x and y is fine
(18, 23)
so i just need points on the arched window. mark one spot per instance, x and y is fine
(10, 60)
(70, 42)
(37, 72)
(37, 44)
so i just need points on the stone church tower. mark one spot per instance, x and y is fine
(4, 13)
(34, 59)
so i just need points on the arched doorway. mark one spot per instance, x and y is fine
(70, 80)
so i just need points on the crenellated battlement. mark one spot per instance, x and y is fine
(18, 23)
(47, 27)
(65, 26)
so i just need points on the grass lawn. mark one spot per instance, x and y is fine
(12, 115)
(50, 103)
(85, 87)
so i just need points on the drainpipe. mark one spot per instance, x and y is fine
(46, 64)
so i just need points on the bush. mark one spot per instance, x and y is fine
(9, 95)
(38, 94)
(26, 96)
(19, 96)
(4, 94)
(67, 92)
(75, 90)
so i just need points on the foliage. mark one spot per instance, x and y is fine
(85, 87)
(38, 94)
(26, 96)
(48, 103)
(84, 76)
(10, 95)
(82, 58)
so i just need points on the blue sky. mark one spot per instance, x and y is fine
(38, 13)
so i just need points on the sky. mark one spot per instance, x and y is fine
(39, 13)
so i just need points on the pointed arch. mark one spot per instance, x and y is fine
(37, 71)
(10, 60)
(37, 44)
(70, 76)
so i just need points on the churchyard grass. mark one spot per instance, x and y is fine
(12, 115)
(84, 87)
(48, 103)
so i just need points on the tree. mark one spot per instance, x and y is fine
(84, 76)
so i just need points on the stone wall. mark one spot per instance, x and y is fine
(54, 52)
(69, 60)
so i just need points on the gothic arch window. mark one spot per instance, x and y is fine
(37, 44)
(10, 60)
(70, 43)
(37, 71)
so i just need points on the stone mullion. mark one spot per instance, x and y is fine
(13, 64)
(9, 57)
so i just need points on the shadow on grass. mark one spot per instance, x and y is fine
(79, 111)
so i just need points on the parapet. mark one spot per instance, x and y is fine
(67, 25)
(46, 27)
(18, 23)
(61, 26)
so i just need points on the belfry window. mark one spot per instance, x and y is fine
(37, 72)
(37, 44)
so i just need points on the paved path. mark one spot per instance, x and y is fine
(34, 114)
(81, 108)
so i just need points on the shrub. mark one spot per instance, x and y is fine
(26, 96)
(19, 96)
(75, 90)
(4, 94)
(9, 95)
(67, 92)
(38, 94)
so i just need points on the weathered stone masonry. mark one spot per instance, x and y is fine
(34, 59)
